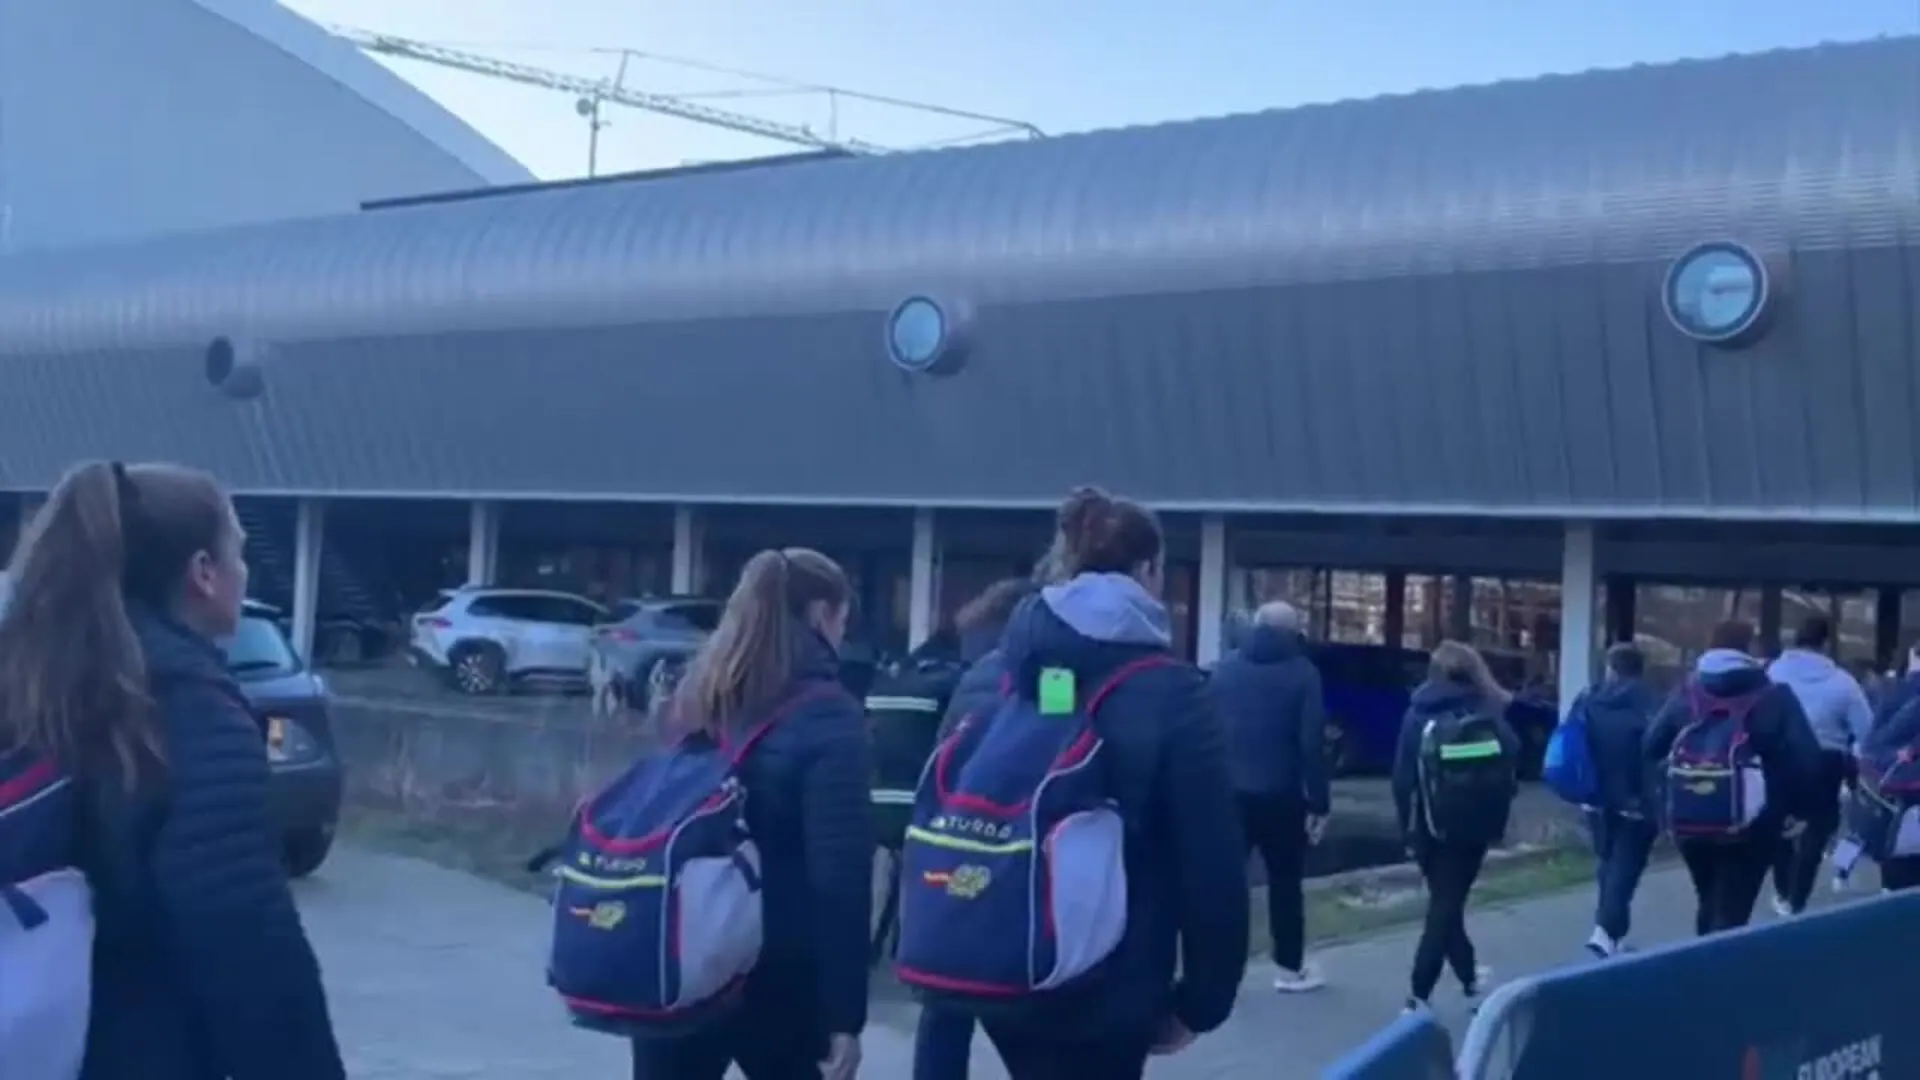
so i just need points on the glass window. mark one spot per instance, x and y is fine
(569, 612)
(259, 646)
(1672, 623)
(699, 617)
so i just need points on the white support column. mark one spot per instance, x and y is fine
(483, 542)
(1211, 590)
(1577, 584)
(923, 578)
(309, 535)
(688, 543)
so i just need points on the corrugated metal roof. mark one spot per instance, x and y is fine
(1802, 148)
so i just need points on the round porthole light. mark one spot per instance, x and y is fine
(1716, 293)
(917, 334)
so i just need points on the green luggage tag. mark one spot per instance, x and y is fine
(1057, 693)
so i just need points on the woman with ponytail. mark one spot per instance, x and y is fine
(109, 670)
(777, 646)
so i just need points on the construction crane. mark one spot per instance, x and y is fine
(591, 92)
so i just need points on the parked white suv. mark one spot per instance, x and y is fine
(487, 639)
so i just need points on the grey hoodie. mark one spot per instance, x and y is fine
(1831, 697)
(1109, 607)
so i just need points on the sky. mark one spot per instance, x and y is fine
(1063, 65)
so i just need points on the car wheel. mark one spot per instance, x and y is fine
(1337, 745)
(477, 668)
(341, 647)
(305, 849)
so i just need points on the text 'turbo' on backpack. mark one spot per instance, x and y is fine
(1716, 786)
(1568, 767)
(1468, 777)
(657, 914)
(1883, 813)
(46, 926)
(1013, 874)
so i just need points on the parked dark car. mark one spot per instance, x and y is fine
(290, 701)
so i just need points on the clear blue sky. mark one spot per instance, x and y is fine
(1062, 64)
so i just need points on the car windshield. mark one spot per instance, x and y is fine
(259, 647)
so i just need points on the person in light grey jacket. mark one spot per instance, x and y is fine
(1841, 717)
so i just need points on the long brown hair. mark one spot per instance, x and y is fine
(1461, 664)
(1097, 533)
(746, 663)
(73, 679)
(994, 606)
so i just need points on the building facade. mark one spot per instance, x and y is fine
(131, 118)
(1565, 334)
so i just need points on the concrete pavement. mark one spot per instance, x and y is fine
(436, 975)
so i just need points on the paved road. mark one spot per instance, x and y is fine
(435, 975)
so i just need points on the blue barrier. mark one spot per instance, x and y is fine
(1415, 1047)
(1826, 996)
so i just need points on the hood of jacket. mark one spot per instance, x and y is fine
(1439, 697)
(1724, 673)
(1617, 694)
(1271, 645)
(1828, 694)
(1804, 667)
(1089, 625)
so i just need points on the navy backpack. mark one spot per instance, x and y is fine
(656, 914)
(1013, 874)
(1883, 811)
(1716, 785)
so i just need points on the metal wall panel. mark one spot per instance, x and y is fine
(1441, 303)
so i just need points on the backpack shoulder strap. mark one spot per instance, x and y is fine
(737, 751)
(1122, 674)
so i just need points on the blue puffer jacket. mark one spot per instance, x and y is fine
(1186, 942)
(807, 806)
(1268, 695)
(1619, 711)
(202, 970)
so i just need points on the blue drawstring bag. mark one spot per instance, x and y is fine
(1569, 770)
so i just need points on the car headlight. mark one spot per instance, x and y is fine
(288, 741)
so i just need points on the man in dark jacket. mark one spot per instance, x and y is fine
(1624, 824)
(1267, 695)
(1727, 875)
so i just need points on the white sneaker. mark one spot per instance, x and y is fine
(1299, 982)
(1781, 907)
(1601, 944)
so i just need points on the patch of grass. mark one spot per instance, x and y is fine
(491, 846)
(1335, 915)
